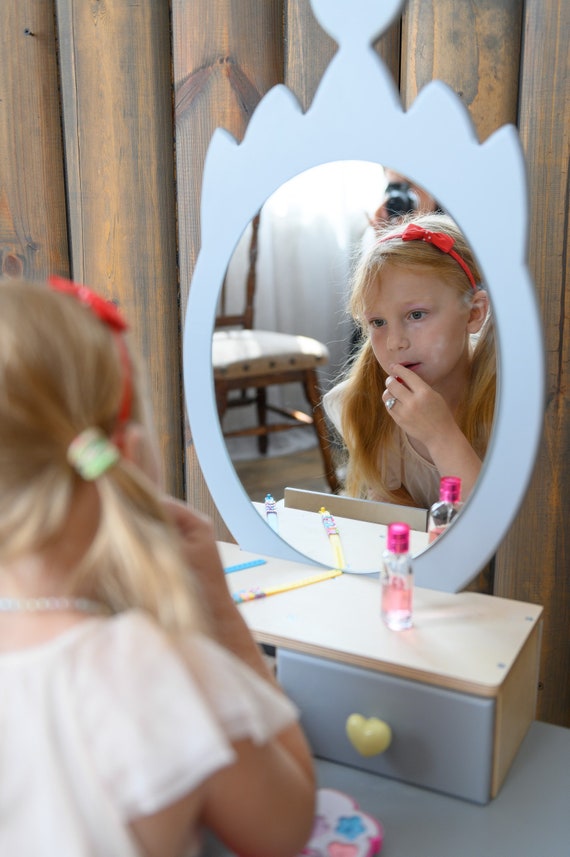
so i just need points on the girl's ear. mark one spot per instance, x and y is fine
(135, 445)
(478, 312)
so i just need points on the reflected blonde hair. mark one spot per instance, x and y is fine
(367, 429)
(61, 373)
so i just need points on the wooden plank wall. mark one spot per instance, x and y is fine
(106, 111)
(226, 55)
(116, 92)
(534, 560)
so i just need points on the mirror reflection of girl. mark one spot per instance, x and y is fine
(127, 722)
(418, 399)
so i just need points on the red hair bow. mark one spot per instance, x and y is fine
(441, 240)
(110, 315)
(106, 310)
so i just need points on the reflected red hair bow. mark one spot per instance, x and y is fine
(110, 315)
(441, 240)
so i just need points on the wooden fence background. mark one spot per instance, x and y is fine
(106, 111)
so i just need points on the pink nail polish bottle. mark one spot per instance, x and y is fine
(397, 579)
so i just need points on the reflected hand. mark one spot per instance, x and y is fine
(418, 409)
(428, 421)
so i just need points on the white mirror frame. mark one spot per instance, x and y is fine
(357, 115)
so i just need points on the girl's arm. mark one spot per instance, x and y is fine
(263, 805)
(453, 455)
(228, 625)
(201, 552)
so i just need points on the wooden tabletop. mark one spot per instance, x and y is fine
(465, 641)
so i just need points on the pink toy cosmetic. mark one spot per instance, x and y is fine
(446, 509)
(397, 579)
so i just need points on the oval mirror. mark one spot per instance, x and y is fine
(293, 268)
(282, 142)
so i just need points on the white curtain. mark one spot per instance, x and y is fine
(310, 231)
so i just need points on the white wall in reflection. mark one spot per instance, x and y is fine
(310, 230)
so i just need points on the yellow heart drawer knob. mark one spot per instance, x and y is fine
(369, 736)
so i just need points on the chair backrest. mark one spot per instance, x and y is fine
(243, 319)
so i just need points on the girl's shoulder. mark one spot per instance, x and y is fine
(168, 709)
(135, 731)
(131, 655)
(333, 402)
(123, 653)
(128, 685)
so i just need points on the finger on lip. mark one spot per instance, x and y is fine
(394, 376)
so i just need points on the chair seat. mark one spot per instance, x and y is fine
(246, 361)
(239, 353)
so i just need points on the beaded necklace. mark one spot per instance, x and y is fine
(51, 604)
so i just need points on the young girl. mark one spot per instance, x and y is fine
(126, 723)
(417, 402)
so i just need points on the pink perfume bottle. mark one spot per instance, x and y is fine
(397, 579)
(444, 512)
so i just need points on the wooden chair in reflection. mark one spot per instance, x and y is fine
(247, 361)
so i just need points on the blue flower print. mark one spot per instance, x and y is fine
(350, 826)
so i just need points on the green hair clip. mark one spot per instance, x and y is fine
(92, 453)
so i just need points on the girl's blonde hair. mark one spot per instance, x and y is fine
(61, 373)
(367, 428)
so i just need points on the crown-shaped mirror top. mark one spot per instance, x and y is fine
(357, 24)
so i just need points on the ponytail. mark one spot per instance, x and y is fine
(135, 559)
(63, 377)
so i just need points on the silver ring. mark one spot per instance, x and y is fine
(390, 403)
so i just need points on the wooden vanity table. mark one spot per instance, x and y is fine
(468, 772)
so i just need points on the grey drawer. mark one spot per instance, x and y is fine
(441, 739)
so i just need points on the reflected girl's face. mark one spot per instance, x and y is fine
(415, 319)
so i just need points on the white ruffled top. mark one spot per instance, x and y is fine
(111, 720)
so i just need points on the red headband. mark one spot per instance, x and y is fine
(110, 315)
(441, 240)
